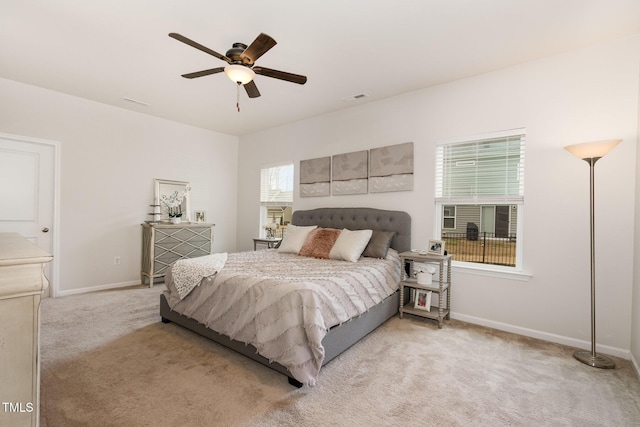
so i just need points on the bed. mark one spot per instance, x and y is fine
(335, 338)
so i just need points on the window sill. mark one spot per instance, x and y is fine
(491, 271)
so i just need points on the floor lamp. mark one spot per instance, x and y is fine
(591, 152)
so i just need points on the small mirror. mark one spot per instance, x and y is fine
(173, 198)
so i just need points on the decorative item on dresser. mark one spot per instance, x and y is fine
(408, 302)
(200, 217)
(156, 214)
(163, 244)
(173, 198)
(22, 283)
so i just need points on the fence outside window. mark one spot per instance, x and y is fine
(482, 248)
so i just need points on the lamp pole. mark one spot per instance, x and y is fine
(592, 358)
(591, 152)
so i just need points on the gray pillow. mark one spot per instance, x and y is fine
(379, 244)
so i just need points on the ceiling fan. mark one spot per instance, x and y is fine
(241, 67)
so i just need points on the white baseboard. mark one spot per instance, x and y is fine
(636, 368)
(559, 339)
(62, 293)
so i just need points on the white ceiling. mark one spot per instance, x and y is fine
(111, 49)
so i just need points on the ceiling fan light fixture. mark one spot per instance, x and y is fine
(239, 73)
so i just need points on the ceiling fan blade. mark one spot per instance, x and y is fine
(259, 47)
(282, 75)
(197, 45)
(252, 89)
(203, 73)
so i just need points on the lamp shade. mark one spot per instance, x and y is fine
(594, 149)
(239, 73)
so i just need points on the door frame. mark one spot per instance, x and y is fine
(55, 240)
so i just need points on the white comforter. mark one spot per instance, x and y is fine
(284, 304)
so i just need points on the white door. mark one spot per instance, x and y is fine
(27, 190)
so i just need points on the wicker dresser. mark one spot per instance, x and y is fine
(163, 244)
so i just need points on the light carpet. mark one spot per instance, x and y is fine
(107, 360)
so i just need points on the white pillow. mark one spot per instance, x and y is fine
(295, 237)
(350, 244)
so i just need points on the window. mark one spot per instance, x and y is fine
(480, 197)
(449, 217)
(276, 199)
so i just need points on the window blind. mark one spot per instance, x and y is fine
(481, 171)
(276, 185)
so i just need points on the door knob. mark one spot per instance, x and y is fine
(45, 230)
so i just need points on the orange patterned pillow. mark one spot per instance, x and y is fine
(319, 243)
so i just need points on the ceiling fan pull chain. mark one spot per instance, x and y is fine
(238, 96)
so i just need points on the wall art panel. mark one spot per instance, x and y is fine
(349, 173)
(391, 168)
(315, 177)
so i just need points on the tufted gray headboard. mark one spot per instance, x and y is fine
(360, 219)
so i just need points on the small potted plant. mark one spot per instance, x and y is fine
(173, 204)
(424, 273)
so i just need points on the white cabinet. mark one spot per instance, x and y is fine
(163, 244)
(22, 283)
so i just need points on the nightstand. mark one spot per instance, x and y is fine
(269, 242)
(442, 288)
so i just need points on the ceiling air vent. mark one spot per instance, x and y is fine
(355, 97)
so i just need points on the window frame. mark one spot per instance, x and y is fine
(440, 202)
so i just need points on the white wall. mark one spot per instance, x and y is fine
(580, 96)
(635, 315)
(109, 160)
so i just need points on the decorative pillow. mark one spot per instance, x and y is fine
(379, 244)
(350, 244)
(319, 243)
(294, 238)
